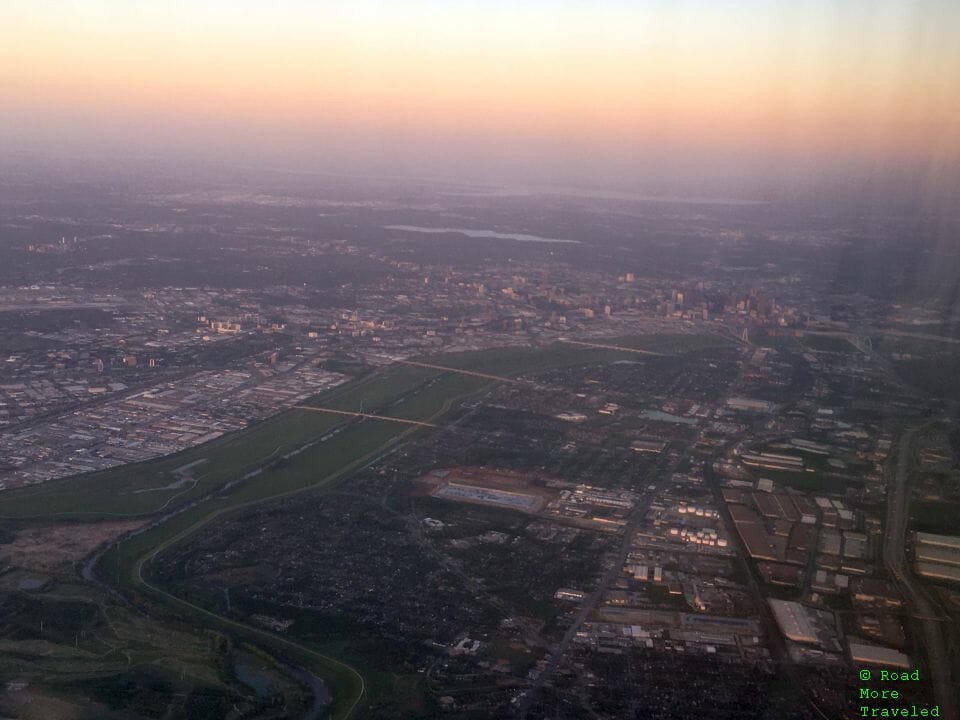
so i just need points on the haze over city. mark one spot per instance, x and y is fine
(734, 93)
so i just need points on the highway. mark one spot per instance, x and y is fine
(921, 608)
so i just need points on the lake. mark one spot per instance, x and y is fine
(519, 237)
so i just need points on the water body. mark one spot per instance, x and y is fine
(519, 237)
(262, 686)
(321, 696)
(667, 417)
(253, 678)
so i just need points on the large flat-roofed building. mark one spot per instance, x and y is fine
(945, 541)
(491, 496)
(772, 461)
(936, 571)
(648, 446)
(877, 655)
(793, 621)
(752, 533)
(749, 404)
(937, 556)
(870, 591)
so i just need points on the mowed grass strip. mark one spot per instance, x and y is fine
(320, 464)
(324, 463)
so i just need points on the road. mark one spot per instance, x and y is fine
(921, 336)
(589, 603)
(778, 646)
(459, 371)
(637, 514)
(110, 398)
(921, 608)
(137, 581)
(604, 346)
(370, 416)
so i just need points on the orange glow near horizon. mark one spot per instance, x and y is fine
(725, 74)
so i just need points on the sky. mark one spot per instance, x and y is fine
(584, 92)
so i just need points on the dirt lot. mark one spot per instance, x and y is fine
(45, 547)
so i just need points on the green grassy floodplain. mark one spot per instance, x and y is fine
(139, 489)
(142, 488)
(404, 391)
(321, 464)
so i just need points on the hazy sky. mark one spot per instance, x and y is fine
(573, 91)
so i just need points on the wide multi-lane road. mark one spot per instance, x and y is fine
(612, 572)
(921, 607)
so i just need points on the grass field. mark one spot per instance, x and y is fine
(332, 447)
(935, 517)
(827, 343)
(320, 464)
(939, 376)
(114, 492)
(143, 488)
(783, 343)
(805, 481)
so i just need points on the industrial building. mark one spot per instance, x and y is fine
(945, 541)
(793, 621)
(491, 496)
(876, 655)
(936, 571)
(937, 556)
(749, 404)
